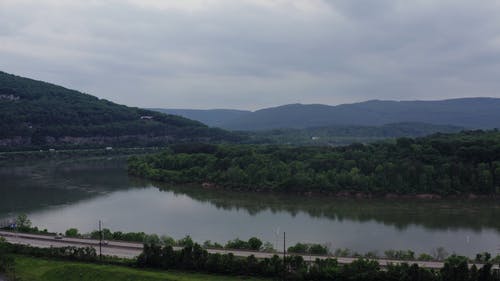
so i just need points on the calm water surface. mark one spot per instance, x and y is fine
(60, 194)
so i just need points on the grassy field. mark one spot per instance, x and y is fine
(31, 269)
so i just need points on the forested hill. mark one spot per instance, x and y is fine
(446, 164)
(34, 113)
(472, 113)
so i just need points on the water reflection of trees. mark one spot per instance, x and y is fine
(28, 186)
(401, 213)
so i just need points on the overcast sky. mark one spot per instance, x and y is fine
(250, 54)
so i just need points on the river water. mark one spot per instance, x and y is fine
(60, 194)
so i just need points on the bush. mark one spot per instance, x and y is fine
(371, 255)
(187, 241)
(342, 252)
(455, 268)
(299, 248)
(118, 235)
(317, 249)
(268, 247)
(314, 249)
(23, 223)
(425, 257)
(209, 245)
(483, 257)
(167, 240)
(70, 252)
(400, 254)
(153, 239)
(254, 244)
(72, 232)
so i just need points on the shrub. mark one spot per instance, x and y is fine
(425, 257)
(254, 243)
(317, 249)
(187, 241)
(208, 244)
(72, 232)
(299, 248)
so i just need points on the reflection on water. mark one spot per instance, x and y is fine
(29, 186)
(402, 213)
(60, 195)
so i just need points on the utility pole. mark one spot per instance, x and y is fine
(284, 256)
(100, 241)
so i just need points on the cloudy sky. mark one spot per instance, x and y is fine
(250, 54)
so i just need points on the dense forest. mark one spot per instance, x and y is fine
(446, 164)
(38, 113)
(343, 135)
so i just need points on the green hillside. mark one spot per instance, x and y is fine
(34, 113)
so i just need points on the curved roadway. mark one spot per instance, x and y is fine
(131, 250)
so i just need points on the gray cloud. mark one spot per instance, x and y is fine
(255, 53)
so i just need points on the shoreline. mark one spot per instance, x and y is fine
(338, 195)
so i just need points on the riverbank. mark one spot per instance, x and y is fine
(209, 186)
(76, 194)
(74, 153)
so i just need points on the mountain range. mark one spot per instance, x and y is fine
(471, 113)
(39, 114)
(211, 117)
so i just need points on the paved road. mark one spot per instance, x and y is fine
(131, 250)
(119, 249)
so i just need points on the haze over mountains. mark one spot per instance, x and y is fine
(471, 113)
(36, 113)
(211, 117)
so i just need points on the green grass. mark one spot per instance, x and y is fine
(37, 269)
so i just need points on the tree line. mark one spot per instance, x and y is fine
(446, 164)
(194, 258)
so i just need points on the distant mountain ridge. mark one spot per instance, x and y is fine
(344, 135)
(36, 113)
(473, 113)
(211, 117)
